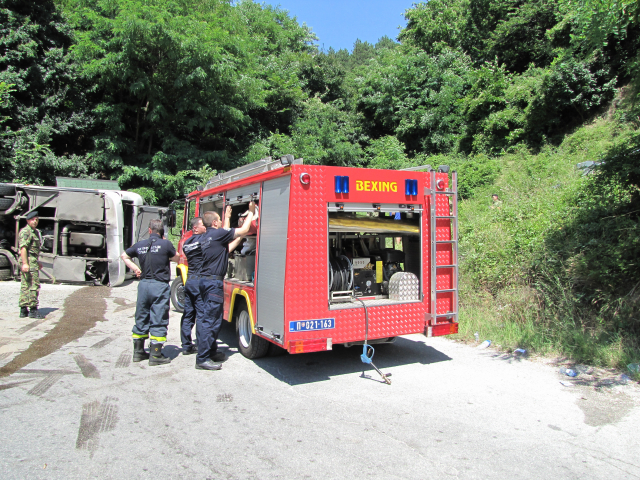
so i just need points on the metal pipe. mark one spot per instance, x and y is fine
(64, 237)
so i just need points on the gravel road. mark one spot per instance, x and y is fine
(73, 406)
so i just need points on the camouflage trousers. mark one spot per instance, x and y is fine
(30, 286)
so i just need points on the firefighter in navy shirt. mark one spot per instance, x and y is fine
(193, 307)
(152, 307)
(215, 258)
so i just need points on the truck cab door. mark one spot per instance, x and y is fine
(146, 213)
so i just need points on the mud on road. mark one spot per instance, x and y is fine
(82, 309)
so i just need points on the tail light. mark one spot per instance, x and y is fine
(310, 345)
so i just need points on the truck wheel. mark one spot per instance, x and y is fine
(250, 345)
(177, 294)
(5, 203)
(5, 274)
(4, 261)
(6, 189)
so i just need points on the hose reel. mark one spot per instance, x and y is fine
(340, 273)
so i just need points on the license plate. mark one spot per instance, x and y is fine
(309, 325)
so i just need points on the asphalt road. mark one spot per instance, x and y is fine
(72, 405)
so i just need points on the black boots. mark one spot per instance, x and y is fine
(208, 365)
(33, 313)
(138, 350)
(190, 350)
(218, 357)
(156, 355)
(30, 312)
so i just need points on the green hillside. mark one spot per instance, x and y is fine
(554, 267)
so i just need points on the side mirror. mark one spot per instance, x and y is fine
(171, 218)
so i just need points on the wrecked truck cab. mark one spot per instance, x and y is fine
(84, 231)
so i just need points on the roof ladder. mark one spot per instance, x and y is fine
(264, 165)
(452, 194)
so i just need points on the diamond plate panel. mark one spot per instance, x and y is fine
(306, 280)
(444, 303)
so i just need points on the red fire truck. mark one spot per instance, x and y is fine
(341, 255)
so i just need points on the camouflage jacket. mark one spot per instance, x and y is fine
(30, 239)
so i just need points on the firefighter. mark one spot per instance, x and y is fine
(193, 306)
(152, 307)
(29, 242)
(250, 243)
(215, 259)
(192, 302)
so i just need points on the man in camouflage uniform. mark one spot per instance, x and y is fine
(30, 240)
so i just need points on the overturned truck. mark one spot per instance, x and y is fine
(84, 231)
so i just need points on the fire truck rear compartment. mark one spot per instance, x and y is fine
(366, 249)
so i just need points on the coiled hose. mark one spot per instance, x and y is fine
(340, 274)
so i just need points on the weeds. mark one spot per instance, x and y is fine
(554, 269)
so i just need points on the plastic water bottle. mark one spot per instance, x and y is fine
(520, 351)
(484, 344)
(477, 335)
(569, 372)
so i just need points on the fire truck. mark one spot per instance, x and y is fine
(341, 255)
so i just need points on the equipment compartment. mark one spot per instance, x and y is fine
(367, 248)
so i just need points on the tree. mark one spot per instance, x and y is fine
(596, 22)
(521, 39)
(437, 23)
(414, 96)
(45, 112)
(181, 85)
(387, 152)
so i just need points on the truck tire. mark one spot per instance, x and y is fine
(5, 274)
(177, 294)
(249, 345)
(4, 261)
(6, 189)
(5, 203)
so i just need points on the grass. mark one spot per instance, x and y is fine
(511, 291)
(521, 323)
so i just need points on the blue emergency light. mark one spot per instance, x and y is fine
(411, 187)
(342, 184)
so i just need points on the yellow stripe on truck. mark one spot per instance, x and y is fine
(235, 292)
(184, 271)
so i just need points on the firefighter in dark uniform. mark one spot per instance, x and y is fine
(29, 242)
(192, 303)
(215, 258)
(152, 307)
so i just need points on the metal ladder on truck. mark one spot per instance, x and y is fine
(451, 193)
(260, 166)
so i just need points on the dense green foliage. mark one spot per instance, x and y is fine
(554, 269)
(146, 90)
(162, 94)
(45, 117)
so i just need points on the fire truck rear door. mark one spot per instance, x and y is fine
(274, 223)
